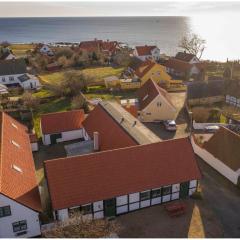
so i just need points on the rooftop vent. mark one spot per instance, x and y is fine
(145, 97)
(15, 144)
(122, 119)
(16, 168)
(15, 126)
(134, 123)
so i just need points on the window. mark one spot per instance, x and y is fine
(144, 195)
(166, 190)
(73, 211)
(159, 104)
(5, 211)
(3, 79)
(11, 78)
(156, 193)
(148, 113)
(19, 226)
(86, 209)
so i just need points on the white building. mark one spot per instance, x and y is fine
(19, 196)
(14, 73)
(45, 49)
(147, 52)
(94, 184)
(155, 103)
(62, 126)
(222, 152)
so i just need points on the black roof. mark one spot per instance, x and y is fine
(14, 66)
(23, 78)
(205, 89)
(135, 63)
(183, 56)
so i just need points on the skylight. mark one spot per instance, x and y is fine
(145, 97)
(18, 169)
(15, 126)
(15, 144)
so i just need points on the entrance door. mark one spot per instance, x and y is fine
(54, 137)
(184, 189)
(110, 207)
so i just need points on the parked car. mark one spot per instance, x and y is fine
(211, 128)
(170, 125)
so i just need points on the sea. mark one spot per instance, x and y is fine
(221, 35)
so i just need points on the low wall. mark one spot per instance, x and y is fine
(201, 126)
(215, 163)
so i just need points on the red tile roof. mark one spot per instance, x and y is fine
(225, 146)
(62, 121)
(111, 135)
(145, 50)
(178, 65)
(98, 176)
(17, 173)
(149, 91)
(144, 68)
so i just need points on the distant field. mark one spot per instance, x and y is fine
(97, 74)
(21, 49)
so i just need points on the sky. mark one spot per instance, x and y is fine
(117, 8)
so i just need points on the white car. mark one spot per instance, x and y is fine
(211, 128)
(170, 125)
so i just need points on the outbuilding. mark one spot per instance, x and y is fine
(62, 126)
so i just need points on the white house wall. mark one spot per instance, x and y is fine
(216, 163)
(18, 213)
(34, 147)
(153, 112)
(131, 202)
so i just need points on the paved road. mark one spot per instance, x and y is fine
(223, 198)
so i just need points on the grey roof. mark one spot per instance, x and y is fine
(129, 123)
(14, 66)
(200, 89)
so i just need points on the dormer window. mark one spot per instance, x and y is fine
(15, 144)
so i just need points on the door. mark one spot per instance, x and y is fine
(54, 137)
(184, 189)
(110, 207)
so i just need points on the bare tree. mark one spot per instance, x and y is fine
(193, 44)
(30, 101)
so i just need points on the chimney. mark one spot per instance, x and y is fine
(96, 141)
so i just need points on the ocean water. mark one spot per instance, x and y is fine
(165, 32)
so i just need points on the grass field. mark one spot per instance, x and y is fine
(20, 49)
(97, 73)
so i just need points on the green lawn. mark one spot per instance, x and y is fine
(98, 73)
(57, 105)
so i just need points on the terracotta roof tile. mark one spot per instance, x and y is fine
(61, 121)
(145, 50)
(225, 146)
(88, 178)
(17, 172)
(178, 65)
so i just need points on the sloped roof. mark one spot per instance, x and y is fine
(145, 50)
(108, 174)
(17, 173)
(178, 65)
(201, 89)
(117, 128)
(13, 66)
(135, 63)
(183, 56)
(62, 121)
(225, 146)
(149, 91)
(132, 109)
(145, 67)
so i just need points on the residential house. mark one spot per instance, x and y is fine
(116, 127)
(114, 182)
(6, 54)
(62, 126)
(155, 103)
(233, 93)
(147, 52)
(44, 49)
(14, 73)
(184, 65)
(222, 152)
(20, 203)
(205, 92)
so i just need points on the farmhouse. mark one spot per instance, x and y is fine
(205, 92)
(19, 196)
(14, 73)
(116, 127)
(147, 52)
(154, 103)
(222, 152)
(109, 183)
(62, 126)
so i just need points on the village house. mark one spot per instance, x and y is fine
(154, 103)
(20, 203)
(184, 65)
(95, 185)
(6, 54)
(147, 52)
(222, 153)
(233, 93)
(44, 49)
(13, 73)
(62, 126)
